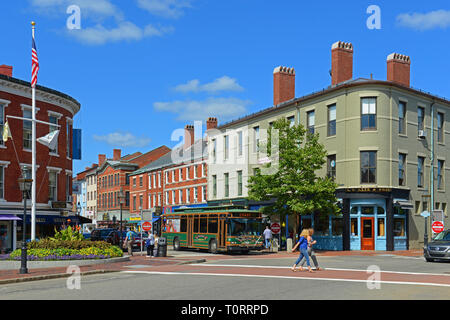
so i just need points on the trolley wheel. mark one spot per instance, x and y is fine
(176, 244)
(213, 246)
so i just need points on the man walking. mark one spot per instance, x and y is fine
(267, 236)
(129, 239)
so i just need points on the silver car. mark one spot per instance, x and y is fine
(438, 248)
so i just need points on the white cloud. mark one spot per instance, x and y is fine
(425, 21)
(89, 8)
(165, 8)
(123, 139)
(223, 108)
(125, 31)
(224, 83)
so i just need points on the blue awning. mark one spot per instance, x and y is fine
(9, 217)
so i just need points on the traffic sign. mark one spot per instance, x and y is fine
(425, 214)
(437, 227)
(276, 228)
(147, 226)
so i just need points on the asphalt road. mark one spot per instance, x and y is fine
(252, 278)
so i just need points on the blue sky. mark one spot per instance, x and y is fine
(144, 68)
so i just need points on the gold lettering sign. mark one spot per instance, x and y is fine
(368, 190)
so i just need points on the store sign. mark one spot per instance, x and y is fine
(59, 205)
(367, 190)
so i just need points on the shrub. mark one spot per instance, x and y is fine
(68, 254)
(67, 244)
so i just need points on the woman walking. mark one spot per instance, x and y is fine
(311, 252)
(303, 247)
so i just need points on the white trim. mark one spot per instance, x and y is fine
(25, 106)
(54, 169)
(5, 163)
(69, 120)
(54, 114)
(5, 102)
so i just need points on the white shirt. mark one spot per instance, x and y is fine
(268, 234)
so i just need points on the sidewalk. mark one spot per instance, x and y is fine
(13, 276)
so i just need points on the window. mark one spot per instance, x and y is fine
(195, 194)
(420, 118)
(368, 167)
(331, 166)
(127, 198)
(368, 113)
(332, 120)
(291, 121)
(402, 117)
(188, 195)
(68, 139)
(53, 186)
(337, 226)
(321, 224)
(213, 224)
(53, 120)
(134, 203)
(440, 176)
(354, 227)
(203, 224)
(154, 181)
(2, 185)
(440, 121)
(420, 164)
(239, 174)
(167, 198)
(196, 224)
(159, 179)
(195, 172)
(183, 224)
(399, 227)
(2, 121)
(134, 182)
(141, 182)
(214, 151)
(205, 196)
(256, 139)
(226, 147)
(127, 179)
(311, 118)
(227, 184)
(180, 196)
(214, 178)
(417, 207)
(381, 228)
(173, 196)
(240, 144)
(141, 202)
(401, 169)
(27, 134)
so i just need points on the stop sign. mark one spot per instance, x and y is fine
(437, 227)
(276, 228)
(146, 226)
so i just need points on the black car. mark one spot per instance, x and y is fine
(107, 235)
(438, 248)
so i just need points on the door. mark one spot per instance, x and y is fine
(367, 234)
(190, 228)
(222, 233)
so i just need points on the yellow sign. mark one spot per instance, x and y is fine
(135, 218)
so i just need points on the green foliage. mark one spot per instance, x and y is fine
(65, 253)
(68, 233)
(293, 181)
(50, 243)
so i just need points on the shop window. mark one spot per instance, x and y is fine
(399, 227)
(337, 226)
(306, 223)
(354, 210)
(354, 227)
(380, 211)
(203, 224)
(321, 224)
(400, 211)
(368, 210)
(381, 227)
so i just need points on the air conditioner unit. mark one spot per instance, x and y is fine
(422, 134)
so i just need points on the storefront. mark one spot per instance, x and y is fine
(7, 231)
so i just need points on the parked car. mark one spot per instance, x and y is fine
(438, 248)
(109, 235)
(137, 239)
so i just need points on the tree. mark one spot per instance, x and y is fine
(290, 181)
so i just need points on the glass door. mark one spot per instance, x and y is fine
(190, 228)
(367, 233)
(222, 232)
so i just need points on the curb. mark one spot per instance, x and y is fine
(53, 276)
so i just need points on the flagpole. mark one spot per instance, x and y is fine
(33, 155)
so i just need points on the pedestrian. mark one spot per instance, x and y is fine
(129, 240)
(150, 244)
(311, 252)
(302, 244)
(267, 236)
(156, 244)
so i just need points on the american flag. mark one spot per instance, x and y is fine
(35, 65)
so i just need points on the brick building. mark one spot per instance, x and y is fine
(113, 176)
(54, 167)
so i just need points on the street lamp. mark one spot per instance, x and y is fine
(425, 240)
(121, 197)
(25, 186)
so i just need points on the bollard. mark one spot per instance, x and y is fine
(289, 245)
(275, 245)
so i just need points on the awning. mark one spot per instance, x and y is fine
(404, 205)
(139, 221)
(9, 217)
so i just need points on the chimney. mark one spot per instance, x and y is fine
(341, 62)
(6, 70)
(399, 69)
(117, 154)
(283, 85)
(188, 136)
(211, 123)
(101, 159)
